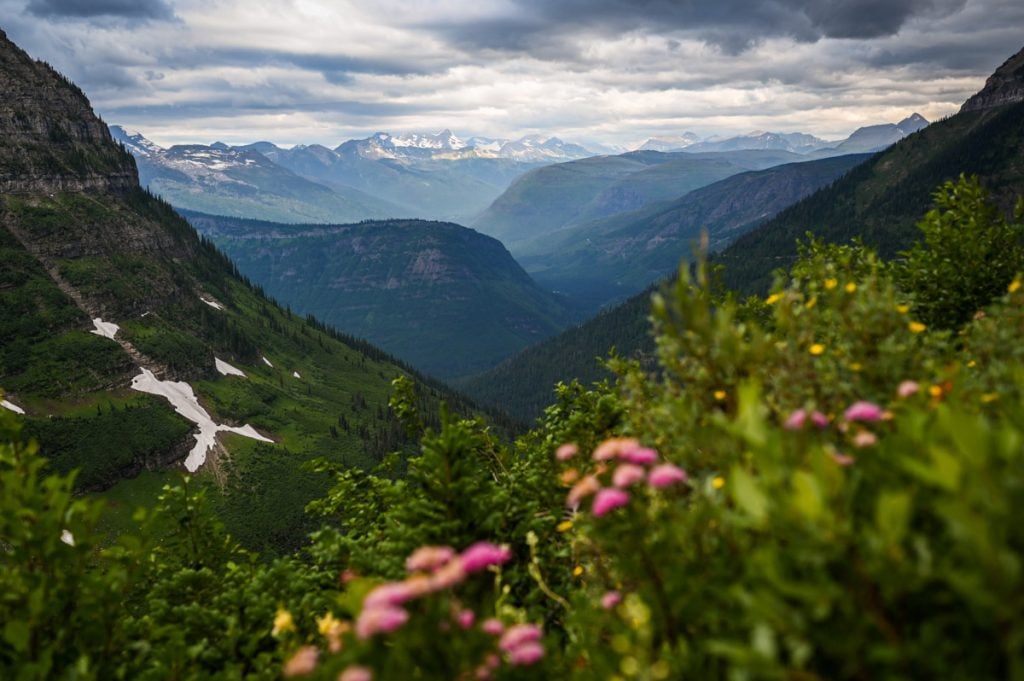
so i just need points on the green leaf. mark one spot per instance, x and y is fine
(892, 516)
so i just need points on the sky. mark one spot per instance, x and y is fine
(614, 72)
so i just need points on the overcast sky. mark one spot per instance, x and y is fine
(613, 71)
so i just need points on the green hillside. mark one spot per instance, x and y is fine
(881, 200)
(554, 197)
(603, 260)
(446, 299)
(80, 241)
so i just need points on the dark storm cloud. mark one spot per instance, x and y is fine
(733, 25)
(136, 10)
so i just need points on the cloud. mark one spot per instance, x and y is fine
(732, 25)
(135, 10)
(320, 71)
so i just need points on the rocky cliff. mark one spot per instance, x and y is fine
(1005, 86)
(50, 139)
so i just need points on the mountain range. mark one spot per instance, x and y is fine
(877, 201)
(446, 299)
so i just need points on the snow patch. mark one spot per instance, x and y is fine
(267, 362)
(226, 369)
(296, 374)
(105, 329)
(67, 537)
(184, 401)
(11, 406)
(212, 303)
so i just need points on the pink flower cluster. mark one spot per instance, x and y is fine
(799, 418)
(521, 643)
(630, 459)
(433, 569)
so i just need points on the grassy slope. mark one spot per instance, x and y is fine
(73, 383)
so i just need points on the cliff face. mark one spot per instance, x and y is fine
(1005, 86)
(50, 139)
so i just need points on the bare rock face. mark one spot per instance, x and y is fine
(1005, 86)
(50, 138)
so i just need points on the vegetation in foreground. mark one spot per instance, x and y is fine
(816, 485)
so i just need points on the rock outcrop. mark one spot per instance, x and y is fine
(50, 138)
(1005, 86)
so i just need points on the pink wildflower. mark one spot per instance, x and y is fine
(380, 620)
(484, 554)
(864, 438)
(492, 626)
(392, 593)
(303, 662)
(842, 459)
(866, 412)
(567, 451)
(519, 634)
(796, 420)
(492, 661)
(627, 474)
(482, 673)
(907, 388)
(610, 600)
(526, 654)
(581, 490)
(608, 500)
(819, 420)
(666, 475)
(449, 575)
(643, 456)
(465, 618)
(613, 448)
(356, 673)
(429, 558)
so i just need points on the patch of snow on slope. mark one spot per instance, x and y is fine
(267, 362)
(226, 369)
(105, 329)
(296, 374)
(184, 401)
(67, 537)
(11, 406)
(212, 303)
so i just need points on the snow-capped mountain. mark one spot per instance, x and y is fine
(135, 142)
(243, 182)
(670, 142)
(446, 146)
(876, 137)
(796, 142)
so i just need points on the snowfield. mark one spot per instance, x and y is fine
(226, 369)
(212, 303)
(184, 401)
(267, 362)
(105, 329)
(11, 406)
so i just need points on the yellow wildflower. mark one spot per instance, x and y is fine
(564, 526)
(830, 284)
(772, 299)
(1014, 286)
(816, 349)
(856, 366)
(972, 364)
(720, 395)
(851, 287)
(577, 571)
(718, 482)
(903, 309)
(935, 391)
(811, 303)
(989, 397)
(282, 622)
(327, 624)
(916, 327)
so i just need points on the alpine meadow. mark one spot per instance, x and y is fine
(690, 348)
